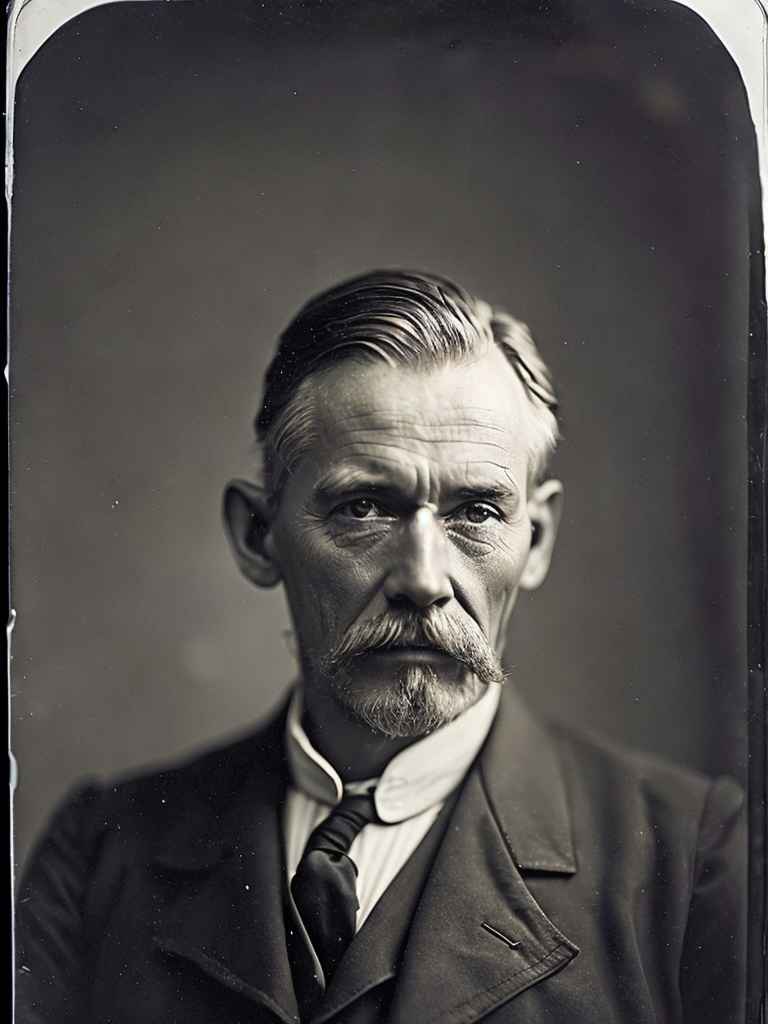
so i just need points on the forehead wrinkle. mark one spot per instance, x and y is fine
(517, 485)
(431, 458)
(365, 462)
(420, 427)
(392, 407)
(403, 434)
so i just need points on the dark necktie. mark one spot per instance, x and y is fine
(323, 887)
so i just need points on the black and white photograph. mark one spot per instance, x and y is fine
(387, 551)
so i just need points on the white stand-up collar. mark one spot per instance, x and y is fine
(418, 777)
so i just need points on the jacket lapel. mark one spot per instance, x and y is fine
(225, 880)
(479, 938)
(523, 779)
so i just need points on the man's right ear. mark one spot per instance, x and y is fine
(248, 522)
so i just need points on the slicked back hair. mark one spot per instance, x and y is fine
(405, 318)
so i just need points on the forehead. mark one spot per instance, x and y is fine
(466, 415)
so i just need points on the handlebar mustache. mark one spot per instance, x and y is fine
(460, 639)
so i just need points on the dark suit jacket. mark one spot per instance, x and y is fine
(574, 883)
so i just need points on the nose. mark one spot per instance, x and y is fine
(420, 570)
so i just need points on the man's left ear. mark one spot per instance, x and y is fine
(545, 507)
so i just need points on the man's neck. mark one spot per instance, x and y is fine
(355, 751)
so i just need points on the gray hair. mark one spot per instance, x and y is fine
(407, 319)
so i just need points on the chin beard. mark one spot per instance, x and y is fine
(416, 704)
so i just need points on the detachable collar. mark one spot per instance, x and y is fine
(420, 776)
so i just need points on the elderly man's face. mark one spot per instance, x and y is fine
(410, 507)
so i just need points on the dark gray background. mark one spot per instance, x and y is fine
(187, 176)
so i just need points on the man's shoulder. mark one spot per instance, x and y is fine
(604, 779)
(606, 773)
(176, 797)
(606, 755)
(251, 754)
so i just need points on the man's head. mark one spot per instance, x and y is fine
(406, 426)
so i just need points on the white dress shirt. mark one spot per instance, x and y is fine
(408, 796)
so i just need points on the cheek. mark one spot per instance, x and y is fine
(326, 586)
(492, 582)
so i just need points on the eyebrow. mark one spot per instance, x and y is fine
(489, 492)
(336, 484)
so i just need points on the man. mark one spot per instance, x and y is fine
(406, 842)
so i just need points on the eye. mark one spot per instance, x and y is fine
(361, 509)
(477, 513)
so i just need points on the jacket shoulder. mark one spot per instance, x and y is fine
(144, 811)
(672, 797)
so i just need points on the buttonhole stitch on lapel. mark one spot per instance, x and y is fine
(498, 935)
